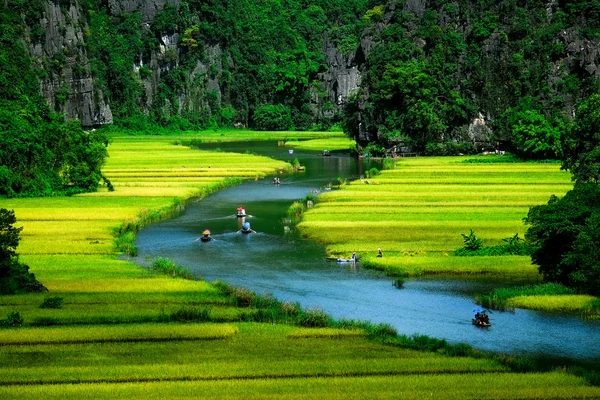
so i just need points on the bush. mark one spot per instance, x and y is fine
(372, 172)
(168, 267)
(471, 242)
(13, 319)
(125, 243)
(566, 233)
(314, 318)
(374, 149)
(52, 302)
(272, 117)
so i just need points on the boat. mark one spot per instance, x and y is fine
(326, 153)
(241, 212)
(480, 323)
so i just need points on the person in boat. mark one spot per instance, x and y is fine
(205, 236)
(246, 228)
(379, 252)
(241, 212)
(276, 181)
(354, 257)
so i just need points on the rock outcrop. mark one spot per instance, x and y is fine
(68, 86)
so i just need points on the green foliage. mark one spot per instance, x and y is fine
(513, 246)
(373, 172)
(14, 276)
(566, 233)
(581, 145)
(188, 314)
(52, 302)
(373, 149)
(471, 242)
(272, 117)
(168, 267)
(13, 320)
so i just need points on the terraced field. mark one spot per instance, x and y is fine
(128, 332)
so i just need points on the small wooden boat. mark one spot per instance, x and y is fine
(480, 323)
(326, 153)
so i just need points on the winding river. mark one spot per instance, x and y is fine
(281, 263)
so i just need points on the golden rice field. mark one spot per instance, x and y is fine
(106, 341)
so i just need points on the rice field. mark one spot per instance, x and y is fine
(110, 339)
(419, 210)
(250, 360)
(331, 144)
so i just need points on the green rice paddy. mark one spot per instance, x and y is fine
(416, 212)
(110, 338)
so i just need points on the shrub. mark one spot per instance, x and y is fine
(13, 319)
(372, 172)
(125, 243)
(168, 267)
(388, 163)
(52, 302)
(471, 242)
(272, 117)
(314, 318)
(295, 209)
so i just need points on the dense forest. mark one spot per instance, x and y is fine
(415, 71)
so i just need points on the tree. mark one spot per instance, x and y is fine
(581, 145)
(14, 276)
(533, 134)
(566, 233)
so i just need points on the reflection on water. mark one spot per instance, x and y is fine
(281, 263)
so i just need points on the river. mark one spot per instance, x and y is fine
(279, 262)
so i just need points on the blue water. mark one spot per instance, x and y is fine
(279, 262)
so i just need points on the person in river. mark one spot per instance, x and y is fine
(379, 252)
(246, 228)
(354, 257)
(205, 236)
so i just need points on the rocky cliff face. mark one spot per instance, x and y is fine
(148, 8)
(343, 75)
(68, 86)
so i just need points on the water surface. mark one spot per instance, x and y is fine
(281, 263)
